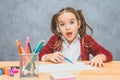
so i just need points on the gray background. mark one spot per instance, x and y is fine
(22, 18)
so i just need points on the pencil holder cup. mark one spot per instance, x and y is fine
(28, 65)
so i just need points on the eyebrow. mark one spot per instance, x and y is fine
(63, 21)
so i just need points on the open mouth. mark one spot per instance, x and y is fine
(69, 34)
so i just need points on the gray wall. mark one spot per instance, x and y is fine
(22, 18)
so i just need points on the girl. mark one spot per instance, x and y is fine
(71, 40)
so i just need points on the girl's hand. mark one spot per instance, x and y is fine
(98, 60)
(56, 57)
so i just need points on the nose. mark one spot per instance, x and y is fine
(67, 26)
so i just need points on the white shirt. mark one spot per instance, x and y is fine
(72, 51)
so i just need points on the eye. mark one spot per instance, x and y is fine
(72, 22)
(61, 24)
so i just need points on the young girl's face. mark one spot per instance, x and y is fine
(68, 26)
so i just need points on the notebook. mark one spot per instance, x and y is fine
(64, 67)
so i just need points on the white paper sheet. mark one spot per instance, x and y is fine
(46, 68)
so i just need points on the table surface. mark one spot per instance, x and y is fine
(110, 71)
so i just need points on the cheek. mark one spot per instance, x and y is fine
(62, 31)
(75, 31)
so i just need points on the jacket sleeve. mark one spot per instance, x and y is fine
(47, 49)
(98, 49)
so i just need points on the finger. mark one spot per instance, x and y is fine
(91, 63)
(95, 64)
(59, 55)
(101, 64)
(58, 59)
(53, 60)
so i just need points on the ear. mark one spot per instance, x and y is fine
(79, 24)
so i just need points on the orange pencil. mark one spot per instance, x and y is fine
(21, 51)
(20, 48)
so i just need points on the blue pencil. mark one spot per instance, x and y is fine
(36, 51)
(68, 60)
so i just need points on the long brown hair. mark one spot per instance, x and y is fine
(79, 16)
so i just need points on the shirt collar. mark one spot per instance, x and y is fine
(77, 38)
